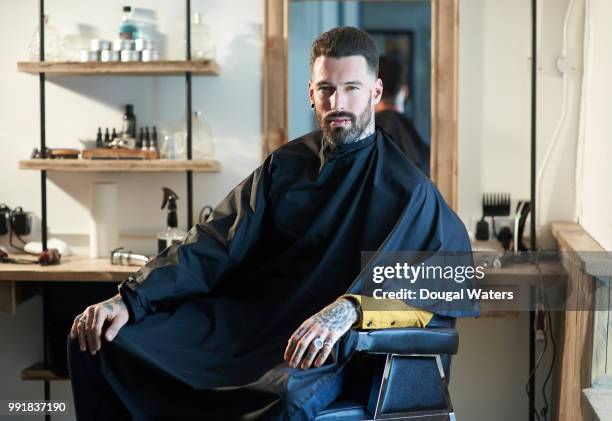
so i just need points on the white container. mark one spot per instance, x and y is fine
(87, 56)
(104, 228)
(130, 55)
(143, 44)
(99, 45)
(150, 55)
(109, 55)
(123, 44)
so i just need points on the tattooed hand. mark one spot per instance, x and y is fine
(88, 325)
(328, 324)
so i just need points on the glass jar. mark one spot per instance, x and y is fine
(202, 43)
(53, 43)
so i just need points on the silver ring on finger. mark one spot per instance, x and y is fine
(82, 319)
(318, 343)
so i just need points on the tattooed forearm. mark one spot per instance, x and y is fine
(114, 301)
(337, 315)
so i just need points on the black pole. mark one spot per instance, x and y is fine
(43, 184)
(534, 74)
(532, 234)
(189, 113)
(43, 143)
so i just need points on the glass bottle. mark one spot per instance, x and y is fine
(128, 28)
(128, 128)
(53, 43)
(202, 43)
(203, 144)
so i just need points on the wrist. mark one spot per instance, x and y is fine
(356, 306)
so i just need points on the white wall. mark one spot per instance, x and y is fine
(76, 106)
(595, 199)
(559, 107)
(495, 103)
(494, 95)
(494, 155)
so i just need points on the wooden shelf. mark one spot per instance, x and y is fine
(71, 268)
(208, 67)
(127, 165)
(38, 371)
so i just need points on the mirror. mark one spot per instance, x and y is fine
(440, 133)
(402, 33)
(495, 107)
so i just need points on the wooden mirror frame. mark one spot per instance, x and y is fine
(444, 87)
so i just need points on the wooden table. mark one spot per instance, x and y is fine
(19, 282)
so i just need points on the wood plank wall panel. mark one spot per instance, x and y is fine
(444, 97)
(275, 89)
(584, 338)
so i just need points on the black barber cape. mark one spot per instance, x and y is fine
(403, 133)
(210, 317)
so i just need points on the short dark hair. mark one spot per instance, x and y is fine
(343, 42)
(390, 72)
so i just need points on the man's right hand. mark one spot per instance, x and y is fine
(88, 325)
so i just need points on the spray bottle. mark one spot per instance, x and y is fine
(171, 234)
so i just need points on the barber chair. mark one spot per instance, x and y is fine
(412, 380)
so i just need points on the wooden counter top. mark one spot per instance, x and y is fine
(71, 268)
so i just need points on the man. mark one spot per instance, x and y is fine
(248, 317)
(390, 116)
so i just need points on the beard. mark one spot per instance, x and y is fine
(352, 132)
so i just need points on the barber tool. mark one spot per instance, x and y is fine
(15, 222)
(47, 257)
(171, 234)
(522, 211)
(482, 230)
(496, 204)
(493, 204)
(505, 237)
(63, 153)
(20, 221)
(5, 214)
(56, 153)
(126, 258)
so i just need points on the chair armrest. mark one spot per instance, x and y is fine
(427, 341)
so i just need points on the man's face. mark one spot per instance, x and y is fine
(344, 94)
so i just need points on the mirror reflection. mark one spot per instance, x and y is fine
(402, 32)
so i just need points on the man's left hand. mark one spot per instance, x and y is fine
(328, 325)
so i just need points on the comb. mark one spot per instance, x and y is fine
(496, 204)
